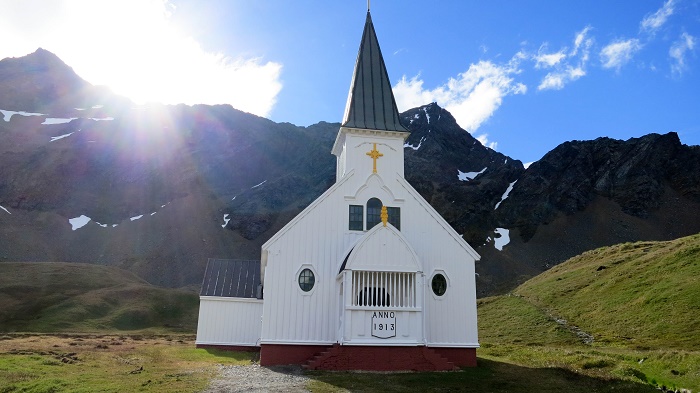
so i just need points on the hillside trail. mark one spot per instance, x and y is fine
(257, 379)
(584, 337)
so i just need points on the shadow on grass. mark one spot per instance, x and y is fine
(489, 376)
(236, 355)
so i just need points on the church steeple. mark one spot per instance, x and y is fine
(371, 103)
(371, 118)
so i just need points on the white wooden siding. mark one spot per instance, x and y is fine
(319, 236)
(229, 321)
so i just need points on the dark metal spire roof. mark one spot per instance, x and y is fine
(371, 103)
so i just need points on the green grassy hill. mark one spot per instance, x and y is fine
(74, 297)
(644, 295)
(628, 311)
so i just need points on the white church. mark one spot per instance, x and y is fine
(368, 277)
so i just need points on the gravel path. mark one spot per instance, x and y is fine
(254, 378)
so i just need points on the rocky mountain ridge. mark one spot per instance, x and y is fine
(165, 187)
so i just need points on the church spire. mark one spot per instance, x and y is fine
(371, 103)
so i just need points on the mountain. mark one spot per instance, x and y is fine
(588, 194)
(86, 176)
(41, 81)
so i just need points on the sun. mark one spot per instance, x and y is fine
(137, 49)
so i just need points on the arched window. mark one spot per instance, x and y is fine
(374, 211)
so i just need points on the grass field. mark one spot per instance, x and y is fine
(137, 363)
(629, 311)
(99, 363)
(621, 318)
(77, 297)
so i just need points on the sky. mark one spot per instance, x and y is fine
(521, 76)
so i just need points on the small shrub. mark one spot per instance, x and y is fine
(598, 363)
(633, 372)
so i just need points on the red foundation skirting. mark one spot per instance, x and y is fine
(370, 358)
(275, 354)
(461, 357)
(239, 348)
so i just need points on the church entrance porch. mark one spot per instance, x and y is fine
(381, 308)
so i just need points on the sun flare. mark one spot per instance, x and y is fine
(135, 48)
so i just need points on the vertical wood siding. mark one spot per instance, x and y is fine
(320, 237)
(229, 321)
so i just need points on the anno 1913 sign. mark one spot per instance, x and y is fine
(383, 324)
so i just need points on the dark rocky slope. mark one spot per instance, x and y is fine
(166, 176)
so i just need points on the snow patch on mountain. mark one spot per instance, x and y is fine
(503, 240)
(58, 120)
(466, 176)
(505, 194)
(405, 145)
(79, 222)
(257, 185)
(7, 115)
(226, 220)
(8, 212)
(55, 138)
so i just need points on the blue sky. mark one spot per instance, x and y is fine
(523, 76)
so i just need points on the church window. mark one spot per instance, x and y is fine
(374, 297)
(439, 284)
(356, 218)
(384, 289)
(394, 216)
(374, 211)
(306, 280)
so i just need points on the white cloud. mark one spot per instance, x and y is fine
(678, 50)
(472, 97)
(619, 53)
(548, 60)
(581, 39)
(484, 139)
(651, 23)
(134, 47)
(571, 66)
(557, 80)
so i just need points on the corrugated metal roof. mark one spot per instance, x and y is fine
(371, 103)
(231, 278)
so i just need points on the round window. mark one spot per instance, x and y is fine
(306, 280)
(439, 284)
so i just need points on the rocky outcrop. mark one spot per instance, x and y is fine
(437, 152)
(635, 174)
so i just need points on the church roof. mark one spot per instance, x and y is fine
(371, 103)
(231, 278)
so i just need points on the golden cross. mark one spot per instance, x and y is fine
(374, 153)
